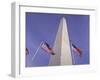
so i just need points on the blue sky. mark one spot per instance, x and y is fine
(44, 26)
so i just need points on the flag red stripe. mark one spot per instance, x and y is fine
(77, 49)
(45, 46)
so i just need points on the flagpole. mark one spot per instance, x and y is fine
(36, 51)
(73, 60)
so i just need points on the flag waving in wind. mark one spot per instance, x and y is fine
(76, 49)
(27, 51)
(45, 46)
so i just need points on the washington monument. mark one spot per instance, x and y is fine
(61, 46)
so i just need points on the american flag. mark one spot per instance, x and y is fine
(27, 51)
(76, 49)
(45, 46)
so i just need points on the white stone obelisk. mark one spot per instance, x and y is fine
(61, 46)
